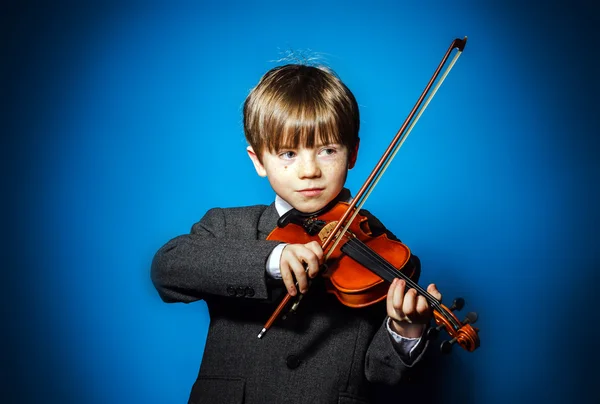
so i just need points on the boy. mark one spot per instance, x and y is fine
(301, 123)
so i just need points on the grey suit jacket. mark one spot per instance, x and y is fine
(325, 353)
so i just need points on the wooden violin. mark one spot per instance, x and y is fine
(359, 265)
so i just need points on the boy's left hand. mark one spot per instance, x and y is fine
(409, 312)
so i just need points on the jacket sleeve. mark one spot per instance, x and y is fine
(383, 363)
(219, 257)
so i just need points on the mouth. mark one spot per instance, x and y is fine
(311, 192)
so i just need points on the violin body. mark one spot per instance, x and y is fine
(356, 287)
(351, 282)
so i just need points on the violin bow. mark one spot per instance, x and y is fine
(364, 192)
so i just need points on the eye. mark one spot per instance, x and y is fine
(287, 155)
(328, 151)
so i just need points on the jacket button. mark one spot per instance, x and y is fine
(230, 290)
(241, 291)
(292, 361)
(249, 291)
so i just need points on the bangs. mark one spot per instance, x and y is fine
(302, 126)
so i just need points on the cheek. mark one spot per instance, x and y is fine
(279, 177)
(337, 169)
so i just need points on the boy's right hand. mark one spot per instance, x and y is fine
(298, 261)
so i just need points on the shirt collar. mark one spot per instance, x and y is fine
(281, 205)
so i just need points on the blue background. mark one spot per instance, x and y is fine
(121, 125)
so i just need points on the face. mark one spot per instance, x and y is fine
(306, 178)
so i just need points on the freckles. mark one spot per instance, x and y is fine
(336, 166)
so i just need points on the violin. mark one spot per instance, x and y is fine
(358, 266)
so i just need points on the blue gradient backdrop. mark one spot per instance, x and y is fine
(121, 126)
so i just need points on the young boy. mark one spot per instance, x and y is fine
(301, 123)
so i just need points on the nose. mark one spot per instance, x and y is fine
(309, 168)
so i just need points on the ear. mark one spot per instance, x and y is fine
(353, 155)
(260, 169)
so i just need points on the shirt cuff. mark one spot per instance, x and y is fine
(408, 348)
(273, 261)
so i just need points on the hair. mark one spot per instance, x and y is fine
(298, 105)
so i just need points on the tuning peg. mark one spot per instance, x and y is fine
(433, 332)
(457, 304)
(446, 346)
(471, 318)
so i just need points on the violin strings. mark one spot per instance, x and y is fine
(393, 272)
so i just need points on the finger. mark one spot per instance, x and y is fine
(399, 296)
(423, 308)
(433, 291)
(389, 302)
(315, 248)
(394, 301)
(300, 275)
(299, 272)
(409, 304)
(313, 258)
(312, 263)
(288, 278)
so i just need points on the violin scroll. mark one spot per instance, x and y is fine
(462, 332)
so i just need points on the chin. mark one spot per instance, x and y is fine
(309, 210)
(311, 207)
